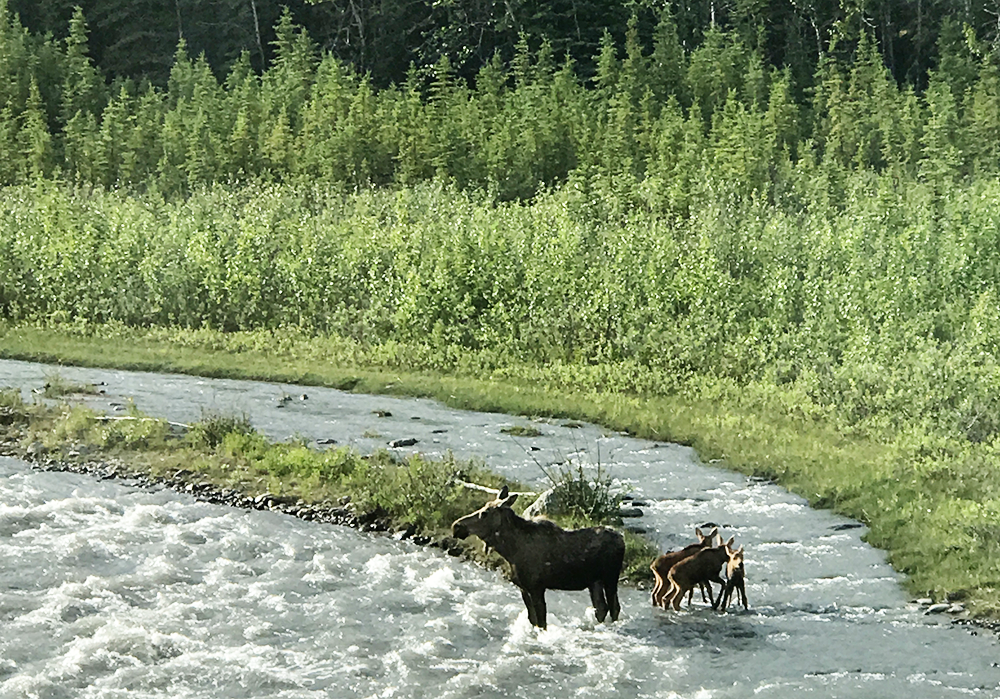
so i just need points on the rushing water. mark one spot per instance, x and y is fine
(110, 590)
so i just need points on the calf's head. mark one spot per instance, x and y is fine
(735, 561)
(487, 521)
(707, 540)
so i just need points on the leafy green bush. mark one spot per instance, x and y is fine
(591, 498)
(213, 428)
(57, 386)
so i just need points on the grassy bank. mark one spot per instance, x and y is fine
(930, 508)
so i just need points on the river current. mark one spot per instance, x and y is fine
(112, 590)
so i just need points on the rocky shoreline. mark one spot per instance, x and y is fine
(188, 482)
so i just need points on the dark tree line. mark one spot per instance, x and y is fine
(382, 38)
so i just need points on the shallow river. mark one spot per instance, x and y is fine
(109, 590)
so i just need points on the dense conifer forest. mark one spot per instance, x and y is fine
(789, 201)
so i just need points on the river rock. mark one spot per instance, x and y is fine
(630, 512)
(938, 608)
(407, 442)
(553, 501)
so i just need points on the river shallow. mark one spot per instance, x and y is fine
(110, 590)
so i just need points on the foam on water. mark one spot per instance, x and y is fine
(111, 591)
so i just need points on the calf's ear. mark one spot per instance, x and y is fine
(503, 493)
(509, 501)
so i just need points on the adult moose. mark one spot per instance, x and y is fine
(544, 556)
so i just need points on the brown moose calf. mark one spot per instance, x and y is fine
(736, 574)
(662, 565)
(702, 567)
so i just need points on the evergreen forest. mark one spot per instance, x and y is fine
(790, 204)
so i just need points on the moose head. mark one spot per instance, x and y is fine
(488, 521)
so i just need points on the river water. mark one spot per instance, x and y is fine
(111, 590)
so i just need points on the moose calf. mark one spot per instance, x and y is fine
(737, 580)
(702, 567)
(662, 565)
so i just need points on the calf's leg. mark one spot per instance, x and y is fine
(727, 596)
(659, 589)
(741, 587)
(679, 592)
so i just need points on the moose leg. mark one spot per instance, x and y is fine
(722, 585)
(530, 604)
(611, 594)
(539, 598)
(669, 597)
(597, 597)
(659, 589)
(741, 586)
(679, 593)
(711, 594)
(727, 597)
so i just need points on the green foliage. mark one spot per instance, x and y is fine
(135, 432)
(57, 386)
(589, 498)
(11, 398)
(213, 428)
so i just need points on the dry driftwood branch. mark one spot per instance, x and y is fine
(142, 419)
(495, 491)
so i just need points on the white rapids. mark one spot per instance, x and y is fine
(110, 590)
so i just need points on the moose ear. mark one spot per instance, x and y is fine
(729, 544)
(509, 500)
(503, 493)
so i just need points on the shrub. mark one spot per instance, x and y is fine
(213, 428)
